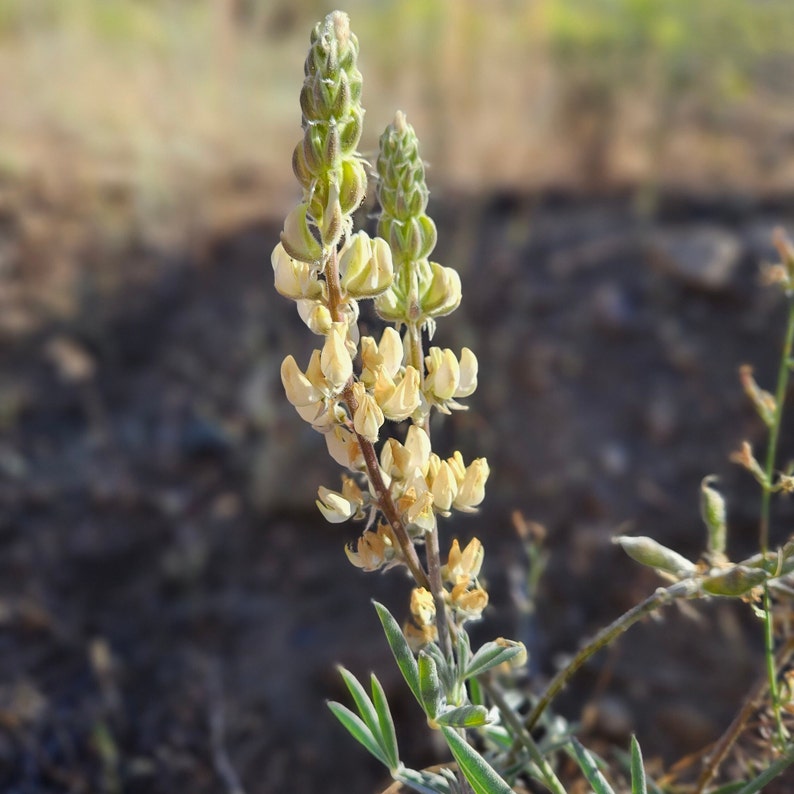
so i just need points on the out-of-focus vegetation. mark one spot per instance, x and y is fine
(176, 110)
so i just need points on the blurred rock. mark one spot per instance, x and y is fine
(703, 257)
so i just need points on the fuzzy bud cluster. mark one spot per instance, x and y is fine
(325, 161)
(351, 385)
(422, 290)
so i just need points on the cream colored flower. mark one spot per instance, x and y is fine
(417, 442)
(316, 315)
(468, 604)
(444, 487)
(295, 279)
(335, 360)
(368, 417)
(334, 506)
(418, 638)
(374, 550)
(344, 448)
(423, 608)
(443, 374)
(463, 567)
(398, 402)
(468, 374)
(472, 489)
(365, 266)
(299, 387)
(416, 508)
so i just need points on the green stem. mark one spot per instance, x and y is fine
(766, 498)
(662, 597)
(523, 736)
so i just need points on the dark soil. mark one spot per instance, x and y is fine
(171, 604)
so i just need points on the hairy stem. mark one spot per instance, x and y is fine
(385, 501)
(766, 498)
(662, 597)
(415, 359)
(523, 736)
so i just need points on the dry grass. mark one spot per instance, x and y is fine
(169, 116)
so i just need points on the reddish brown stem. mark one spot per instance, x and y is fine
(385, 501)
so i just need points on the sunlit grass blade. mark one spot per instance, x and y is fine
(388, 736)
(482, 777)
(358, 730)
(399, 647)
(464, 717)
(638, 783)
(590, 769)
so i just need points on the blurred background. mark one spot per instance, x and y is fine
(606, 176)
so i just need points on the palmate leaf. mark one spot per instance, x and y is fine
(399, 647)
(482, 777)
(358, 730)
(388, 736)
(590, 769)
(373, 725)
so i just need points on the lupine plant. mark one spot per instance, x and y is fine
(373, 399)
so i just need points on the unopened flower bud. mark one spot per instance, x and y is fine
(353, 185)
(297, 238)
(335, 361)
(649, 552)
(712, 509)
(443, 293)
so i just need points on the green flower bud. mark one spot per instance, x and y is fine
(735, 581)
(352, 186)
(297, 237)
(443, 293)
(333, 220)
(649, 552)
(712, 509)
